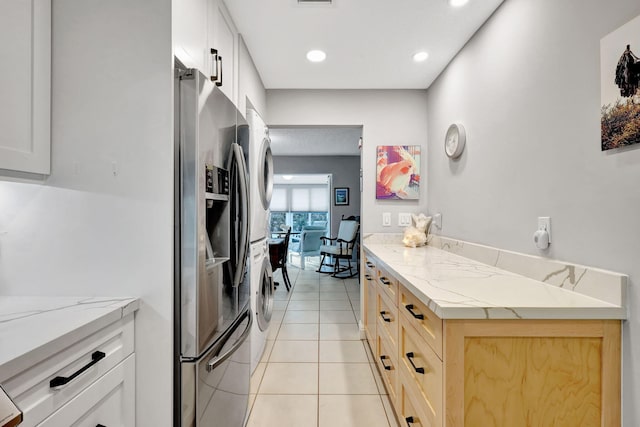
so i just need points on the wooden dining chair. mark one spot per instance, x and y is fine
(281, 263)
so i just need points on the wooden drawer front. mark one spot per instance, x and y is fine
(31, 390)
(387, 360)
(387, 315)
(371, 295)
(110, 401)
(411, 408)
(425, 322)
(369, 264)
(388, 284)
(423, 369)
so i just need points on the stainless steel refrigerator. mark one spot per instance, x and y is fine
(212, 314)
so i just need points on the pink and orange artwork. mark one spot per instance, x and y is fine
(398, 172)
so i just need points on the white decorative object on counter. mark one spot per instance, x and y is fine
(416, 235)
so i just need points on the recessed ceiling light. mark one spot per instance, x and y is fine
(420, 56)
(316, 56)
(458, 3)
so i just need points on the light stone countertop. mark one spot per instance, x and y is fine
(455, 287)
(33, 327)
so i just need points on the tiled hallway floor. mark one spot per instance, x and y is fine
(315, 371)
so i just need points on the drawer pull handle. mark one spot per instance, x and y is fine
(409, 421)
(366, 276)
(410, 308)
(100, 425)
(385, 281)
(382, 359)
(410, 356)
(60, 381)
(370, 264)
(386, 319)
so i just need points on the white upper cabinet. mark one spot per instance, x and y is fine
(205, 37)
(25, 85)
(190, 33)
(223, 37)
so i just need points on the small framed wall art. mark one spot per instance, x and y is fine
(398, 172)
(341, 196)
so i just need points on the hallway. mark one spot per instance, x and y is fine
(316, 372)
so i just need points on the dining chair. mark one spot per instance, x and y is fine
(281, 262)
(308, 244)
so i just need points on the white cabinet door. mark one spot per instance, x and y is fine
(25, 85)
(190, 33)
(223, 37)
(110, 401)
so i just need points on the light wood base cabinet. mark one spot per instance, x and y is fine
(494, 373)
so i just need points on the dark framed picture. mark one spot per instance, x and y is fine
(341, 196)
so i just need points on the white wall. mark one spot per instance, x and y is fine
(388, 117)
(527, 89)
(86, 230)
(249, 82)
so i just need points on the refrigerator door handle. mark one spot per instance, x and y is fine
(238, 158)
(216, 360)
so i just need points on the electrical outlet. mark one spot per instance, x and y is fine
(544, 223)
(437, 221)
(386, 219)
(404, 219)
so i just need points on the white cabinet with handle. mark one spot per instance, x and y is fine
(25, 85)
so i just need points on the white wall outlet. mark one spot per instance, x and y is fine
(386, 219)
(437, 220)
(542, 236)
(544, 223)
(404, 219)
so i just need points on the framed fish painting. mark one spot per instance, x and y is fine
(398, 172)
(620, 86)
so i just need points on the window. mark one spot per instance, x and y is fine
(297, 205)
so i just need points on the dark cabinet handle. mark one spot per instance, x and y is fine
(382, 359)
(366, 276)
(385, 281)
(219, 83)
(410, 356)
(409, 421)
(59, 381)
(216, 66)
(410, 308)
(100, 425)
(386, 319)
(370, 264)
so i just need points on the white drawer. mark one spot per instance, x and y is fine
(110, 401)
(31, 391)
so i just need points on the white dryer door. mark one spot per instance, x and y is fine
(264, 303)
(265, 173)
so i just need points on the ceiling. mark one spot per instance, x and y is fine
(369, 43)
(315, 141)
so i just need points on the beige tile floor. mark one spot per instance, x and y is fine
(315, 370)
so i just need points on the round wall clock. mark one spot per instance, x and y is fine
(454, 140)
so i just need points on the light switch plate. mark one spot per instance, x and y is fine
(386, 219)
(404, 219)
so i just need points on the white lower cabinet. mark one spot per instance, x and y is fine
(109, 402)
(91, 382)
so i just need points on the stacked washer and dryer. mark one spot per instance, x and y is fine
(261, 187)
